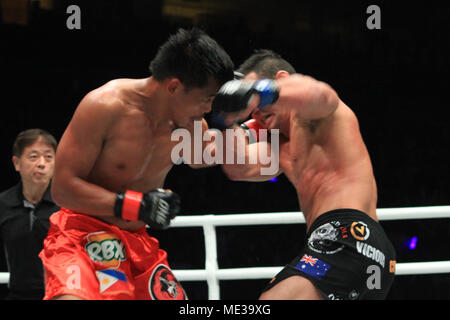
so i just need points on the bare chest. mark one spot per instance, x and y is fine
(304, 161)
(137, 158)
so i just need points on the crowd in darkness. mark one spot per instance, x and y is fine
(395, 79)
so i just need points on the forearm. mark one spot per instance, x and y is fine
(246, 172)
(309, 98)
(79, 195)
(250, 161)
(216, 146)
(240, 159)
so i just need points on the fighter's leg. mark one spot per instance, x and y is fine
(292, 288)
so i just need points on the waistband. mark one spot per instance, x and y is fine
(70, 219)
(344, 213)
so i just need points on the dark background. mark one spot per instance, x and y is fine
(395, 79)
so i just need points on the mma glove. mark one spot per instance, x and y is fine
(252, 126)
(156, 208)
(235, 95)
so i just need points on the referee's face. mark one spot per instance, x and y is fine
(36, 164)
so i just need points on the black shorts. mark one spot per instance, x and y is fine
(347, 256)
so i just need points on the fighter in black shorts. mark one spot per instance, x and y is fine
(321, 151)
(347, 256)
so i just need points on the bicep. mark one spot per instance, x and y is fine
(309, 98)
(77, 154)
(82, 141)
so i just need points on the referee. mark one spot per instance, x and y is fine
(24, 213)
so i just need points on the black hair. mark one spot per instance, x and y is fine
(266, 64)
(28, 137)
(193, 57)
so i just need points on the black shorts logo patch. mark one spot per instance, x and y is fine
(359, 230)
(325, 239)
(163, 285)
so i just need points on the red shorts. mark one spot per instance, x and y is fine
(94, 260)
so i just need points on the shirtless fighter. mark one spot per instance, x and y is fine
(347, 255)
(110, 167)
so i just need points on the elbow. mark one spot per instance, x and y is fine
(322, 101)
(56, 194)
(200, 166)
(59, 192)
(233, 173)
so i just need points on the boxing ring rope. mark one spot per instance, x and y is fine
(212, 274)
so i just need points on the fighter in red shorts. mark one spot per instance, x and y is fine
(110, 165)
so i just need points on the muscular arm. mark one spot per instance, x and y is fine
(250, 164)
(76, 155)
(309, 98)
(251, 161)
(254, 172)
(301, 96)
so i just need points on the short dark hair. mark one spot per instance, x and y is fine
(193, 57)
(265, 63)
(28, 137)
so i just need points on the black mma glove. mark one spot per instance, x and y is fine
(156, 208)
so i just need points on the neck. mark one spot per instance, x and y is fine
(155, 106)
(285, 126)
(34, 193)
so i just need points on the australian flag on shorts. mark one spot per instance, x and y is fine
(312, 266)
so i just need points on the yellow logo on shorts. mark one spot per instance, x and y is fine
(106, 248)
(359, 230)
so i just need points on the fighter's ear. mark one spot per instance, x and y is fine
(173, 84)
(281, 74)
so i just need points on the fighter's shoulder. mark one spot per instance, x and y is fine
(107, 97)
(343, 117)
(343, 113)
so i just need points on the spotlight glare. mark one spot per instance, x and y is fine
(412, 243)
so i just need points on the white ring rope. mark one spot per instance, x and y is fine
(212, 274)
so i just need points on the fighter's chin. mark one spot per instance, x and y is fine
(180, 123)
(196, 119)
(190, 123)
(274, 125)
(271, 123)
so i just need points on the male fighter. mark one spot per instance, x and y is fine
(111, 165)
(347, 255)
